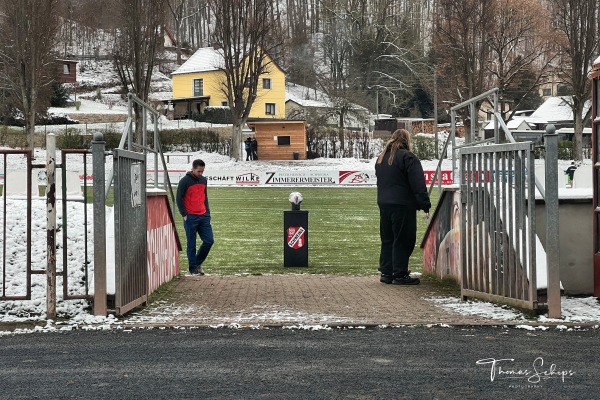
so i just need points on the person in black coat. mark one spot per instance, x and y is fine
(401, 192)
(248, 148)
(571, 173)
(254, 149)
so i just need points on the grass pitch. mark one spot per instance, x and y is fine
(343, 231)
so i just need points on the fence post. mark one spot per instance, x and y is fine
(552, 222)
(98, 147)
(51, 226)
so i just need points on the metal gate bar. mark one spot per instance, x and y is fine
(64, 273)
(28, 155)
(131, 269)
(498, 228)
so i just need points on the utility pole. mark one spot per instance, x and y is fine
(435, 114)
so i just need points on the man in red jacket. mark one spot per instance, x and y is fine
(192, 201)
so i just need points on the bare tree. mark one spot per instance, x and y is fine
(179, 12)
(139, 40)
(520, 43)
(247, 31)
(27, 35)
(577, 20)
(461, 47)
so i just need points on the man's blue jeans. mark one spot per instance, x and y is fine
(198, 224)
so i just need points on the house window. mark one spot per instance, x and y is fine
(66, 69)
(198, 87)
(547, 92)
(283, 141)
(266, 83)
(224, 104)
(270, 108)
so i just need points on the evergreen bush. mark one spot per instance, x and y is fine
(59, 96)
(215, 115)
(71, 139)
(565, 150)
(423, 147)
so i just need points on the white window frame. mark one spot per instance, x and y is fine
(200, 87)
(268, 107)
(269, 85)
(66, 69)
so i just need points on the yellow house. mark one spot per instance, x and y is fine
(197, 84)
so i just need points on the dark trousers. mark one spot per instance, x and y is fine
(248, 155)
(398, 232)
(198, 225)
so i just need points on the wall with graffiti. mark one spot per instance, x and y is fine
(441, 244)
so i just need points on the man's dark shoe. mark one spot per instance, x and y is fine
(198, 271)
(386, 278)
(406, 280)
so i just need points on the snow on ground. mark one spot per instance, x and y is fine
(575, 310)
(16, 256)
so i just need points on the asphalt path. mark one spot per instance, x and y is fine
(391, 363)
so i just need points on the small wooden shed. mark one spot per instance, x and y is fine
(66, 70)
(280, 140)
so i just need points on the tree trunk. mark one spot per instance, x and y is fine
(178, 40)
(138, 133)
(30, 128)
(236, 141)
(578, 132)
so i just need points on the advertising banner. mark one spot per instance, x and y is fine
(284, 177)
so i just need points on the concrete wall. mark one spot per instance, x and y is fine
(576, 244)
(441, 244)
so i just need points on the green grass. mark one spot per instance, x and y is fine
(343, 227)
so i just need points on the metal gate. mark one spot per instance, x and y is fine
(131, 278)
(82, 270)
(25, 273)
(21, 273)
(498, 236)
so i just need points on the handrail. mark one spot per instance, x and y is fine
(127, 137)
(499, 121)
(437, 174)
(474, 143)
(474, 99)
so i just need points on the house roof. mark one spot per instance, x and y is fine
(204, 59)
(558, 109)
(305, 96)
(313, 98)
(519, 123)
